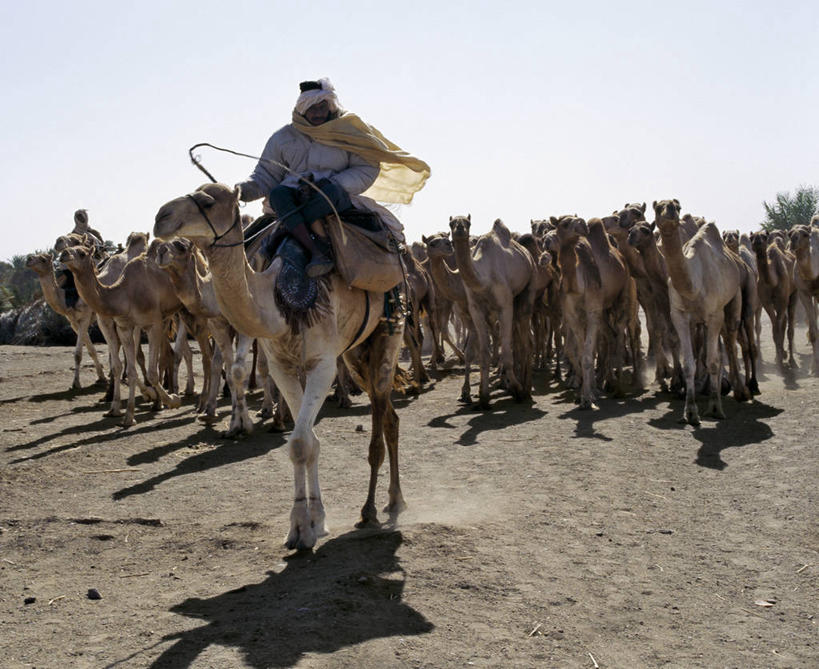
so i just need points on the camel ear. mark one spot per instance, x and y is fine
(553, 220)
(653, 225)
(237, 192)
(469, 217)
(203, 199)
(676, 201)
(425, 240)
(643, 208)
(450, 219)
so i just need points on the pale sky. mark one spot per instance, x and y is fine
(522, 109)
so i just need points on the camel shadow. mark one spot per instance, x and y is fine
(345, 593)
(609, 408)
(742, 426)
(503, 412)
(226, 453)
(59, 395)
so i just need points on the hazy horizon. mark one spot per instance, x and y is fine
(522, 112)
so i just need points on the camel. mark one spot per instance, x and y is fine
(143, 297)
(498, 276)
(704, 288)
(421, 300)
(641, 237)
(193, 282)
(450, 294)
(777, 292)
(804, 241)
(545, 276)
(350, 325)
(78, 313)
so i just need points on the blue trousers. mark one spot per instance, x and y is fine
(291, 211)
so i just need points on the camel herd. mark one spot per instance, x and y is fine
(565, 296)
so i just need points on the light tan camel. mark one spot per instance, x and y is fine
(451, 292)
(777, 292)
(804, 241)
(498, 276)
(142, 298)
(641, 237)
(351, 326)
(194, 286)
(79, 314)
(704, 288)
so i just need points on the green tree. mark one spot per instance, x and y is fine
(789, 210)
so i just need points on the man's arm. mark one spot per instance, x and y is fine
(267, 174)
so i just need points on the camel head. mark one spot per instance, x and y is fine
(419, 251)
(40, 263)
(759, 241)
(71, 239)
(540, 227)
(550, 242)
(800, 239)
(203, 216)
(459, 225)
(630, 214)
(438, 245)
(640, 235)
(174, 254)
(77, 258)
(570, 229)
(667, 215)
(530, 242)
(136, 244)
(731, 239)
(777, 237)
(814, 222)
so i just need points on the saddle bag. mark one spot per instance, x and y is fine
(365, 259)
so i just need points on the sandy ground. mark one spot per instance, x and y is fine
(536, 536)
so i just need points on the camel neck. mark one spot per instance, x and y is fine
(466, 268)
(234, 281)
(53, 294)
(449, 282)
(675, 260)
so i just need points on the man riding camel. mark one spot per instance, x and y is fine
(349, 161)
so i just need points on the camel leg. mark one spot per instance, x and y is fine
(261, 368)
(307, 518)
(75, 383)
(791, 316)
(208, 410)
(89, 346)
(733, 316)
(484, 354)
(681, 325)
(713, 365)
(203, 340)
(810, 314)
(182, 352)
(240, 420)
(466, 396)
(156, 334)
(128, 337)
(342, 394)
(109, 332)
(587, 394)
(758, 332)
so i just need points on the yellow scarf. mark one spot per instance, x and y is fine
(401, 175)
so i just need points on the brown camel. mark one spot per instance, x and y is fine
(209, 217)
(804, 241)
(78, 313)
(143, 297)
(498, 276)
(545, 276)
(777, 292)
(704, 289)
(421, 300)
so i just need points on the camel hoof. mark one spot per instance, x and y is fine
(692, 420)
(174, 401)
(396, 507)
(753, 386)
(208, 418)
(587, 405)
(128, 421)
(344, 403)
(465, 398)
(264, 413)
(368, 523)
(278, 428)
(113, 413)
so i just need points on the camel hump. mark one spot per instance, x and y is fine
(711, 233)
(597, 233)
(503, 233)
(588, 267)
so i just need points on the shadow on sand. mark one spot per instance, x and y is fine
(347, 592)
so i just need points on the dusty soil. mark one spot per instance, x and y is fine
(537, 535)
